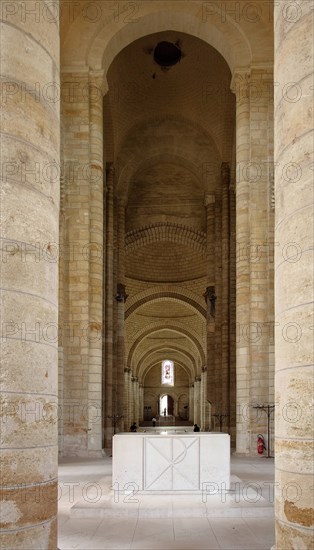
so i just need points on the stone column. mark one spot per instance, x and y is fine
(30, 145)
(194, 419)
(60, 400)
(62, 226)
(141, 403)
(270, 252)
(210, 297)
(232, 315)
(258, 175)
(191, 403)
(132, 400)
(218, 295)
(254, 156)
(225, 230)
(82, 156)
(204, 420)
(135, 398)
(294, 276)
(137, 402)
(126, 422)
(197, 399)
(202, 400)
(240, 86)
(207, 414)
(109, 293)
(121, 297)
(115, 383)
(75, 330)
(95, 256)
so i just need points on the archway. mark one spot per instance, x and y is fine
(227, 42)
(166, 406)
(172, 238)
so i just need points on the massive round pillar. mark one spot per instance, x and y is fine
(294, 275)
(29, 273)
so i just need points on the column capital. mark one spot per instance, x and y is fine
(240, 82)
(98, 79)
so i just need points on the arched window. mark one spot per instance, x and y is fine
(167, 372)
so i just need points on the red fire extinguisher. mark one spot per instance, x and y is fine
(260, 444)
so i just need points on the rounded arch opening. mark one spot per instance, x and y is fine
(223, 37)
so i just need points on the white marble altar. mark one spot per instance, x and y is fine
(170, 462)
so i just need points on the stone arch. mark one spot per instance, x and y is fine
(172, 326)
(152, 365)
(165, 292)
(169, 392)
(225, 36)
(171, 232)
(184, 359)
(143, 368)
(98, 43)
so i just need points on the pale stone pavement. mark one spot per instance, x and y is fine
(245, 521)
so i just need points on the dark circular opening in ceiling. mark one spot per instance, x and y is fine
(167, 54)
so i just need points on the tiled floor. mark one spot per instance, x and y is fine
(246, 522)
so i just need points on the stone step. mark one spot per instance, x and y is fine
(240, 501)
(163, 506)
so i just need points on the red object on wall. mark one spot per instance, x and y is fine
(260, 444)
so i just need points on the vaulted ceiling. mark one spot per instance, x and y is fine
(169, 123)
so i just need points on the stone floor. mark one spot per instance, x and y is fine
(92, 518)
